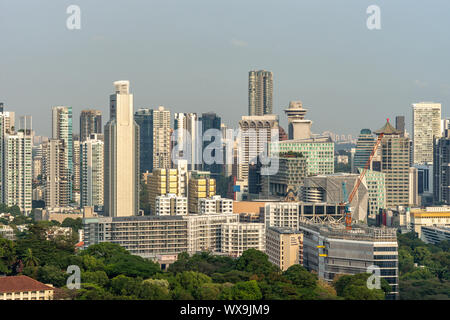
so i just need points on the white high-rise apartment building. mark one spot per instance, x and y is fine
(17, 176)
(62, 130)
(121, 188)
(189, 143)
(76, 170)
(92, 175)
(260, 92)
(6, 126)
(161, 139)
(426, 126)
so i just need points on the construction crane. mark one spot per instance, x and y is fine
(348, 201)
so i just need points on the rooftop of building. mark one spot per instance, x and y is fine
(21, 284)
(387, 129)
(443, 229)
(359, 232)
(312, 139)
(285, 230)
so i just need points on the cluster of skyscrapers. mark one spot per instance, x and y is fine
(156, 191)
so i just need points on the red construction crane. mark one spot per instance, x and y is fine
(347, 202)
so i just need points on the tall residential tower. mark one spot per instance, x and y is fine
(260, 92)
(121, 155)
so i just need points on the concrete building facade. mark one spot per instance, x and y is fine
(121, 161)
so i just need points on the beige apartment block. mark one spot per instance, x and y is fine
(121, 163)
(284, 246)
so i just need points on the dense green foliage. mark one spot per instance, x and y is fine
(423, 269)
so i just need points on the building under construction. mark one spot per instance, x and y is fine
(329, 189)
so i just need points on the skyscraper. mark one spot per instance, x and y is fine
(394, 154)
(76, 169)
(144, 119)
(6, 125)
(55, 174)
(121, 189)
(161, 138)
(90, 122)
(426, 127)
(441, 170)
(188, 136)
(17, 177)
(210, 120)
(400, 124)
(91, 152)
(62, 130)
(260, 91)
(364, 146)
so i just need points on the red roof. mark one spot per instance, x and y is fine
(21, 284)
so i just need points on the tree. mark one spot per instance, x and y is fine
(422, 255)
(299, 276)
(132, 266)
(154, 290)
(405, 261)
(247, 290)
(354, 287)
(52, 275)
(191, 281)
(255, 262)
(90, 291)
(105, 251)
(30, 260)
(75, 224)
(97, 277)
(209, 291)
(125, 286)
(7, 255)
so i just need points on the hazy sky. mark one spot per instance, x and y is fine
(194, 56)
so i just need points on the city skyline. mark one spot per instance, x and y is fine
(340, 81)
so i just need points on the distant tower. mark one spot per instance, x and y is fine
(260, 92)
(161, 138)
(211, 120)
(187, 126)
(91, 158)
(121, 195)
(400, 124)
(90, 122)
(144, 119)
(363, 150)
(62, 130)
(299, 128)
(426, 127)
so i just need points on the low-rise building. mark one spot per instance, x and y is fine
(171, 205)
(7, 232)
(60, 214)
(430, 216)
(434, 234)
(24, 288)
(238, 237)
(284, 247)
(215, 204)
(331, 250)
